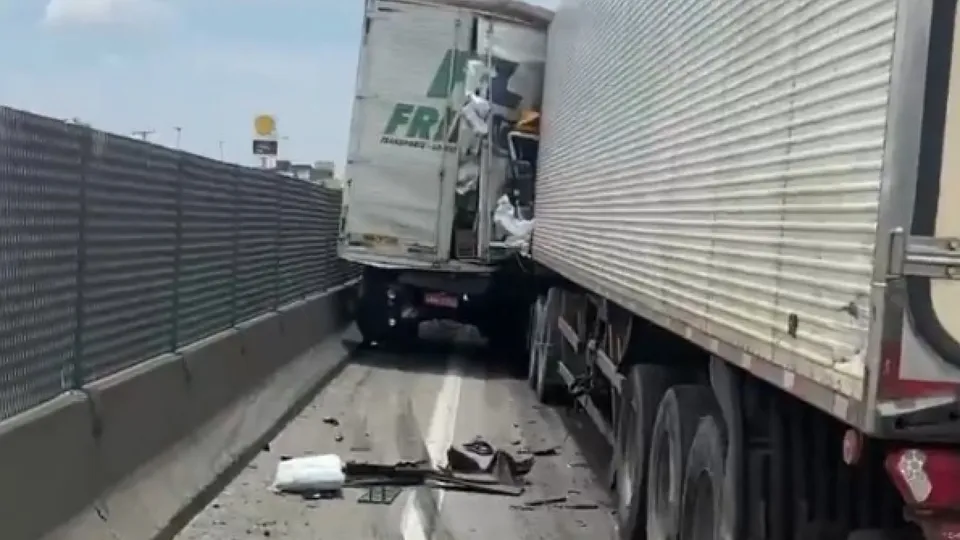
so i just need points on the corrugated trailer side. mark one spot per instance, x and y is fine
(715, 166)
(749, 202)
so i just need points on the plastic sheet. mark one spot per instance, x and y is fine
(309, 474)
(475, 112)
(518, 230)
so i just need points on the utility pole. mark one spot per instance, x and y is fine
(221, 149)
(143, 134)
(179, 131)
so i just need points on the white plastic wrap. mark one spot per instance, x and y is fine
(475, 112)
(518, 230)
(309, 474)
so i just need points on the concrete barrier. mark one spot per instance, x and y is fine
(134, 455)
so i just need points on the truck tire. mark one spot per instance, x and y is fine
(678, 415)
(373, 314)
(702, 501)
(642, 390)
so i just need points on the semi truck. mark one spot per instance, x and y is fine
(751, 211)
(440, 84)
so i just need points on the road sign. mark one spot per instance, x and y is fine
(265, 136)
(265, 126)
(264, 147)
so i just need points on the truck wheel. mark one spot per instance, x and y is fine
(371, 307)
(679, 413)
(643, 387)
(373, 313)
(701, 505)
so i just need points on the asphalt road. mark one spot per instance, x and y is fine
(412, 406)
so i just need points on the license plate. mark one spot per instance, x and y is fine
(440, 300)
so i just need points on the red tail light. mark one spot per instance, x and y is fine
(928, 479)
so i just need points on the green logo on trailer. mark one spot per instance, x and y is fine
(425, 126)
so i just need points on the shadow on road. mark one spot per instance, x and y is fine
(431, 354)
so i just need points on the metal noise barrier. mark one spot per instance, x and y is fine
(114, 251)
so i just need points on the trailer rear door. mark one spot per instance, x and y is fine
(395, 188)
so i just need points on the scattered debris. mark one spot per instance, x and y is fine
(338, 438)
(479, 447)
(477, 467)
(420, 473)
(543, 452)
(544, 502)
(503, 466)
(331, 421)
(380, 495)
(554, 502)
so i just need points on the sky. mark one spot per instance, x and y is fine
(206, 66)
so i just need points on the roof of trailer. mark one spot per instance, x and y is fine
(508, 9)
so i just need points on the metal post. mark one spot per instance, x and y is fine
(235, 257)
(86, 151)
(483, 184)
(177, 258)
(277, 236)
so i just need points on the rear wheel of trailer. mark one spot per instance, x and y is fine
(704, 450)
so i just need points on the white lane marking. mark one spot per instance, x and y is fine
(439, 437)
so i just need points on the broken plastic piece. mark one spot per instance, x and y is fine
(518, 230)
(476, 76)
(309, 474)
(475, 112)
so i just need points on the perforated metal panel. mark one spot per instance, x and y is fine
(305, 243)
(129, 247)
(114, 251)
(258, 264)
(209, 234)
(719, 163)
(39, 230)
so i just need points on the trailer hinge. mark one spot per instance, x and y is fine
(924, 256)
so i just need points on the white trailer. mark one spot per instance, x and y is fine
(421, 181)
(755, 217)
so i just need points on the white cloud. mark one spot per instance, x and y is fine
(105, 12)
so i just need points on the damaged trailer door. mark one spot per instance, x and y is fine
(400, 135)
(921, 343)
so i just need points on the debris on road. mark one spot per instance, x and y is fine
(309, 474)
(420, 473)
(485, 458)
(380, 495)
(331, 421)
(544, 502)
(554, 502)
